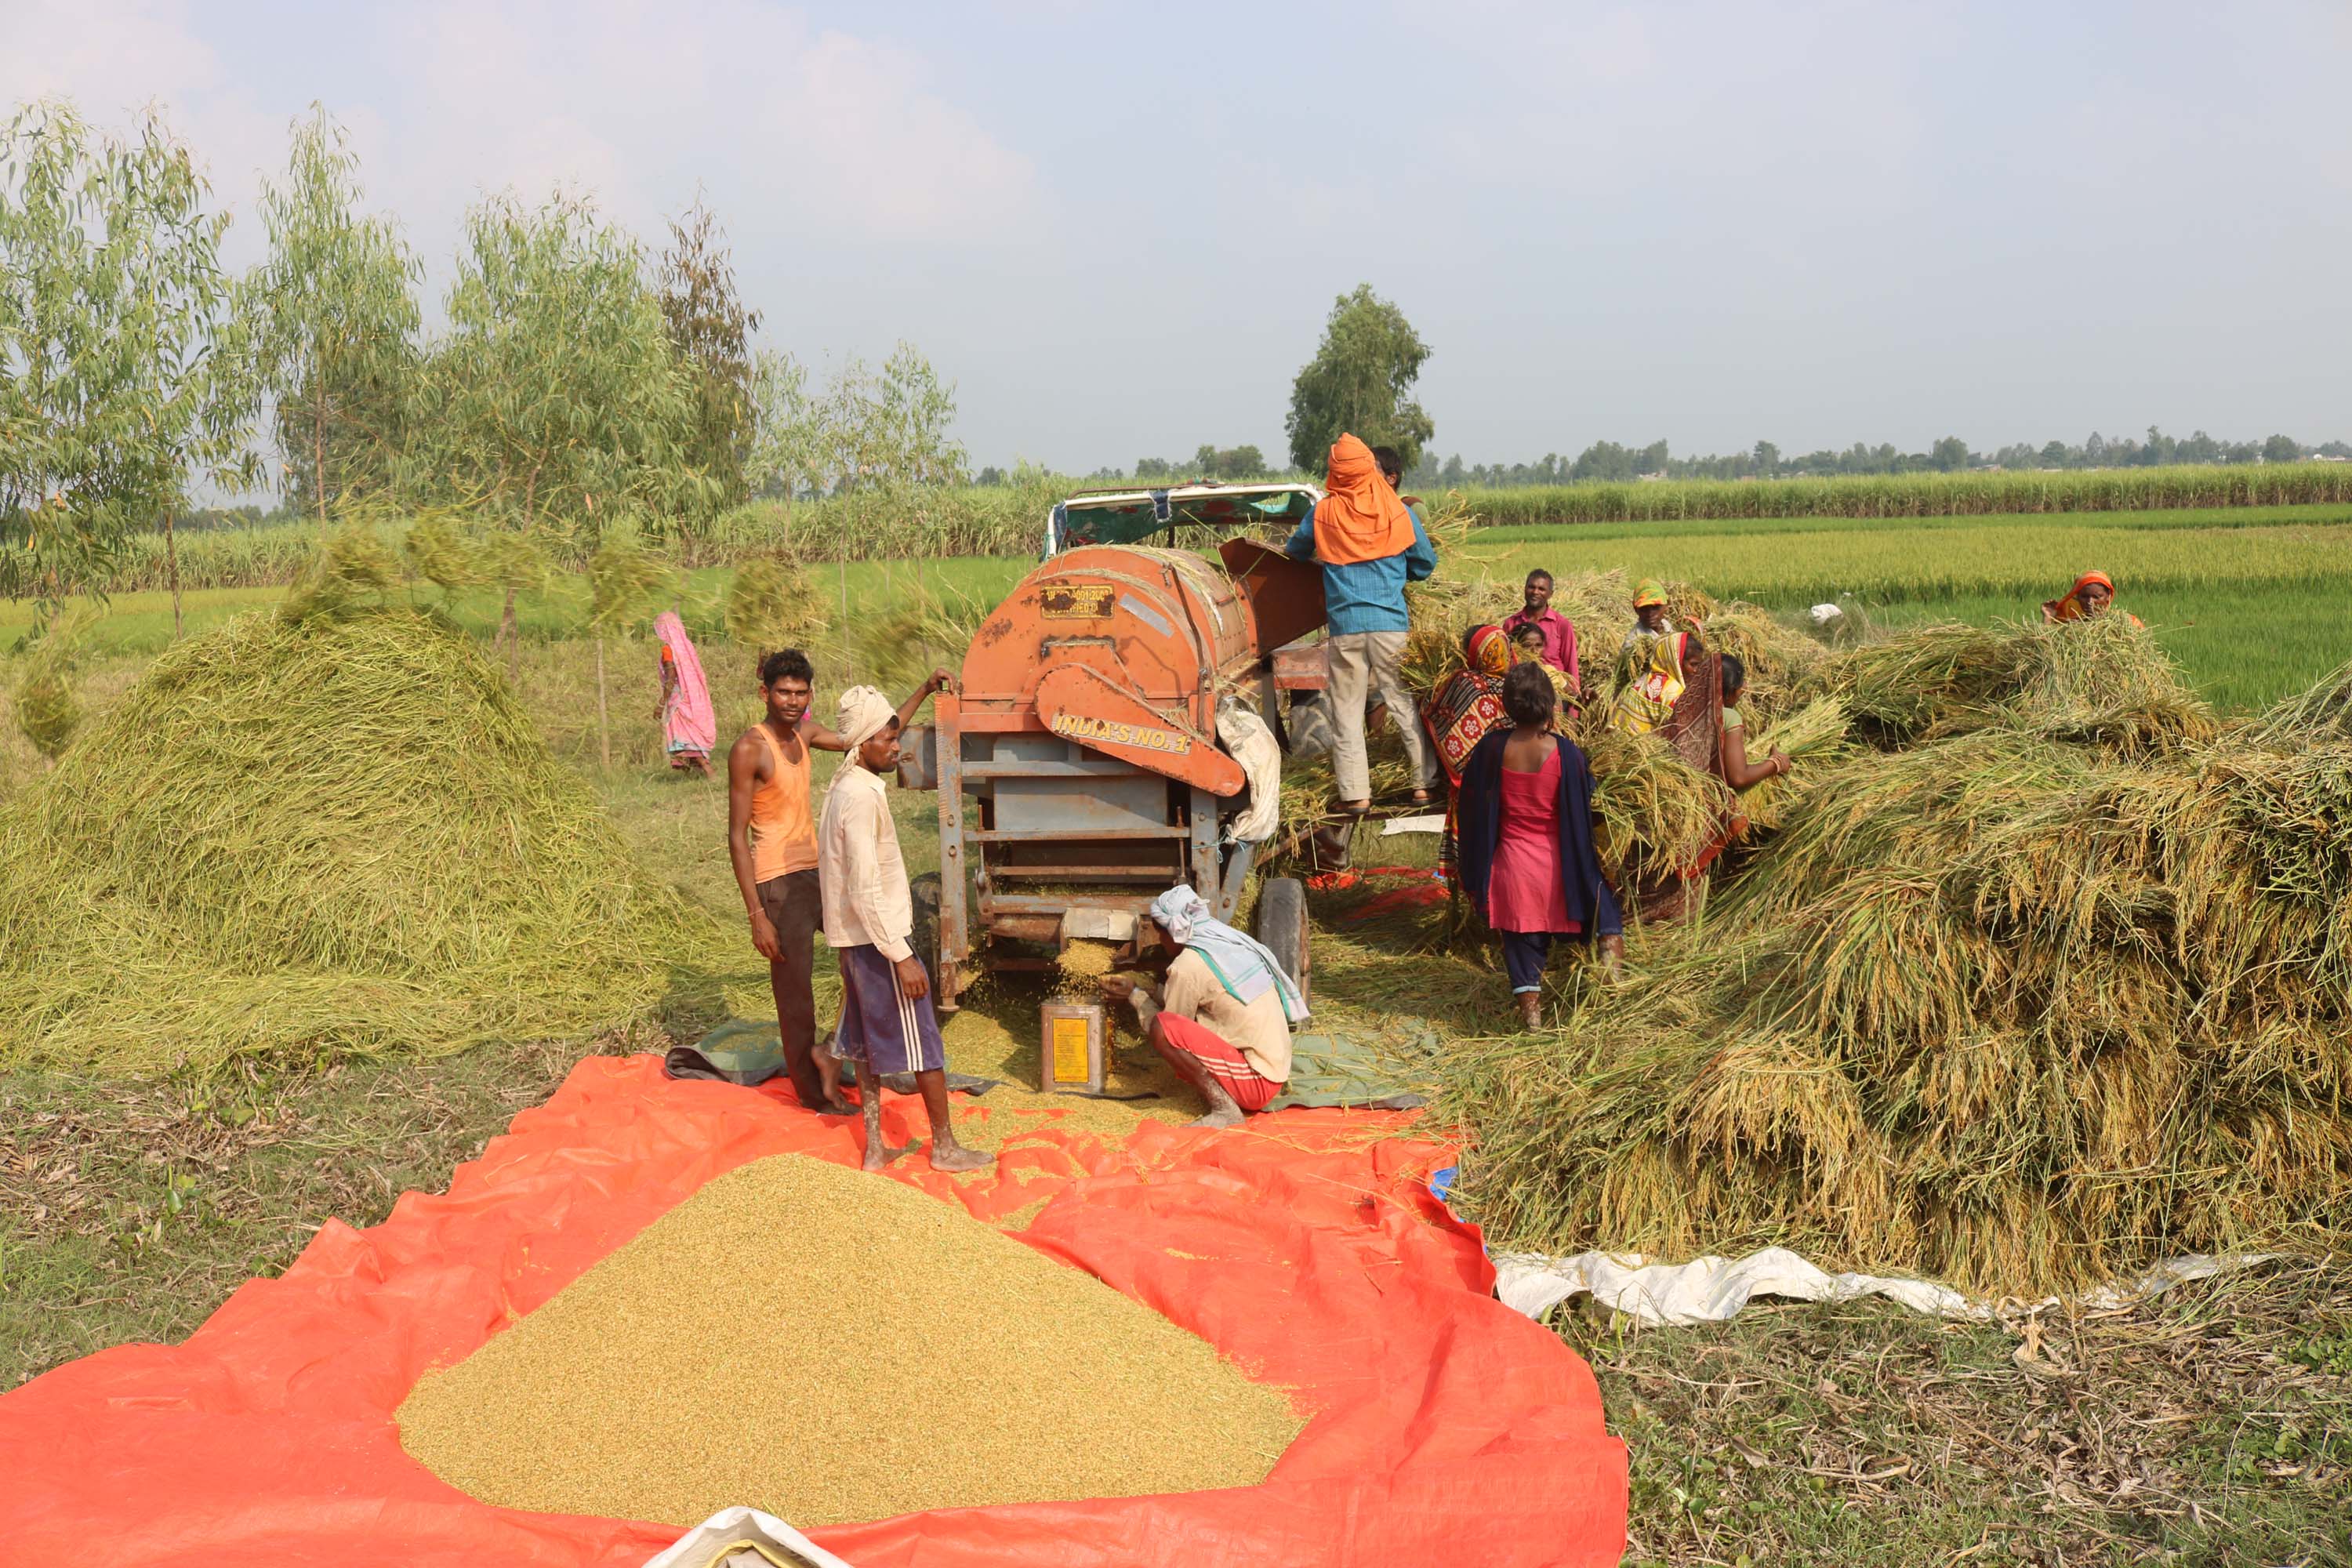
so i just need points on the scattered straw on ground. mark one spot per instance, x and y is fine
(338, 832)
(832, 1347)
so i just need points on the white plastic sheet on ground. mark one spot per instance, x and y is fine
(744, 1537)
(1711, 1289)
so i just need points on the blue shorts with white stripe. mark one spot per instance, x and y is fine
(879, 1025)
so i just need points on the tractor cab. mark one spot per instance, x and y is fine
(1140, 516)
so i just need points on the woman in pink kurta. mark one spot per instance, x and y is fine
(690, 727)
(1527, 856)
(1526, 893)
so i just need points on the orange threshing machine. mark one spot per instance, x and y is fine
(1077, 764)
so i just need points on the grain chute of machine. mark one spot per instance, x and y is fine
(1079, 760)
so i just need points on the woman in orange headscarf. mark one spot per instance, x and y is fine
(2089, 598)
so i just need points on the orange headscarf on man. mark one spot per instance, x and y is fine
(1359, 517)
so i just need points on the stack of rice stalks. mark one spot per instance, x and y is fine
(336, 829)
(1814, 739)
(2100, 680)
(2061, 990)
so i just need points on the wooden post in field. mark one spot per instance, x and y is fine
(603, 726)
(172, 570)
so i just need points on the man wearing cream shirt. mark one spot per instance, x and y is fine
(886, 1025)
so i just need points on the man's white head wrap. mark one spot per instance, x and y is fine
(864, 713)
(1244, 966)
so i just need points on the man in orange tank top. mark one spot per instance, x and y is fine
(772, 841)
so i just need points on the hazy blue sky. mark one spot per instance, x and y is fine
(1118, 228)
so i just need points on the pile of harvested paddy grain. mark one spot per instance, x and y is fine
(1078, 970)
(833, 1347)
(2026, 1008)
(337, 832)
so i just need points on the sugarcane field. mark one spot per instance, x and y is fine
(643, 925)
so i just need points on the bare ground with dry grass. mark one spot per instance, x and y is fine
(2211, 1424)
(130, 1209)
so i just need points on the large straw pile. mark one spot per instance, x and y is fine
(338, 831)
(831, 1347)
(2060, 990)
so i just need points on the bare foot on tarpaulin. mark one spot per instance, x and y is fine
(879, 1153)
(955, 1157)
(1224, 1111)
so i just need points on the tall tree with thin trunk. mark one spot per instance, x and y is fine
(554, 406)
(124, 373)
(710, 331)
(336, 304)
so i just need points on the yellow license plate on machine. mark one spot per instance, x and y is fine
(1070, 1050)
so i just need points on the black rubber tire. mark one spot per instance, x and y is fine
(924, 893)
(1281, 926)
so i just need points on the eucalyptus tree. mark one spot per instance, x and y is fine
(554, 404)
(124, 375)
(335, 306)
(710, 331)
(787, 451)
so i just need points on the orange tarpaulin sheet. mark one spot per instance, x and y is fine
(1445, 1429)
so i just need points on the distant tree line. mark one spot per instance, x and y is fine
(1606, 461)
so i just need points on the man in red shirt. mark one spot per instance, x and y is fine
(1558, 631)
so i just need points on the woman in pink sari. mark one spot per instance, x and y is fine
(690, 727)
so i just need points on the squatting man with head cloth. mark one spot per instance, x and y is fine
(1223, 1017)
(771, 841)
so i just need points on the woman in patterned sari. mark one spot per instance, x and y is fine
(1462, 712)
(1652, 664)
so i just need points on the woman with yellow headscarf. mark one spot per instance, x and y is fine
(1651, 663)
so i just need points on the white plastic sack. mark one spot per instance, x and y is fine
(1711, 1289)
(739, 1537)
(1250, 742)
(1823, 615)
(1704, 1290)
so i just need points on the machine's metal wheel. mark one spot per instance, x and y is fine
(1281, 926)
